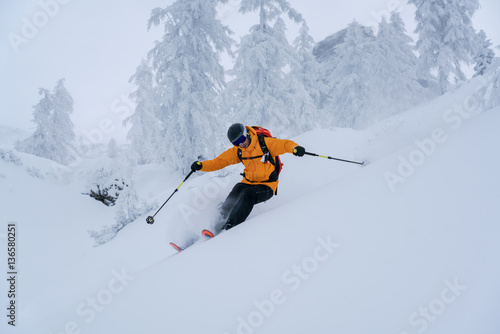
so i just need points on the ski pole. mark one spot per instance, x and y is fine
(327, 157)
(150, 219)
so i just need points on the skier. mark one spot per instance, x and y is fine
(260, 176)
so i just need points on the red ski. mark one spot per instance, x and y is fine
(207, 234)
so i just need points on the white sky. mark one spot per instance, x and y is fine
(96, 46)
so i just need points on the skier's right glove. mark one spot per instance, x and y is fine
(196, 166)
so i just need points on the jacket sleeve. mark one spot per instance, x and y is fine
(280, 146)
(226, 158)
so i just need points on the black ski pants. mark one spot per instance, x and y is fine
(240, 201)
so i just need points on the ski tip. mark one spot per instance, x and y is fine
(207, 233)
(177, 248)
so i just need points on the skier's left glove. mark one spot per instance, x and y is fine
(196, 166)
(299, 151)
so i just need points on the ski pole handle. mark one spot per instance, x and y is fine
(327, 157)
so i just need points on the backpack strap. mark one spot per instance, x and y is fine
(274, 175)
(249, 158)
(262, 143)
(265, 150)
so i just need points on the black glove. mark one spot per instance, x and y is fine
(299, 151)
(196, 166)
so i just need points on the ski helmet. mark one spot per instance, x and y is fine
(237, 133)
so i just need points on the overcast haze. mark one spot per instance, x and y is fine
(97, 45)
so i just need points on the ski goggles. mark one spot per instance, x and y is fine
(240, 140)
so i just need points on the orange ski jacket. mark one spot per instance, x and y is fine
(257, 171)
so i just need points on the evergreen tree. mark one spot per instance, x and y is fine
(129, 206)
(258, 94)
(145, 134)
(493, 90)
(188, 78)
(347, 78)
(41, 142)
(393, 81)
(54, 137)
(446, 37)
(485, 56)
(113, 149)
(305, 86)
(64, 136)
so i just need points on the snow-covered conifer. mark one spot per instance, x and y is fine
(129, 206)
(41, 142)
(446, 37)
(53, 137)
(308, 92)
(113, 149)
(393, 81)
(64, 136)
(258, 94)
(145, 133)
(347, 79)
(485, 56)
(188, 78)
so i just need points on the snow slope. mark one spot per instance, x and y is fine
(406, 244)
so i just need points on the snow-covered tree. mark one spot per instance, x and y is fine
(393, 81)
(145, 134)
(446, 37)
(129, 206)
(485, 56)
(113, 149)
(258, 94)
(491, 89)
(125, 199)
(305, 85)
(188, 78)
(41, 142)
(64, 135)
(53, 137)
(348, 71)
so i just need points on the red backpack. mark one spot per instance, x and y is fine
(275, 161)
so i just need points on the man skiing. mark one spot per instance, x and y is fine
(260, 176)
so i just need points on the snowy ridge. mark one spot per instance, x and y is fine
(406, 244)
